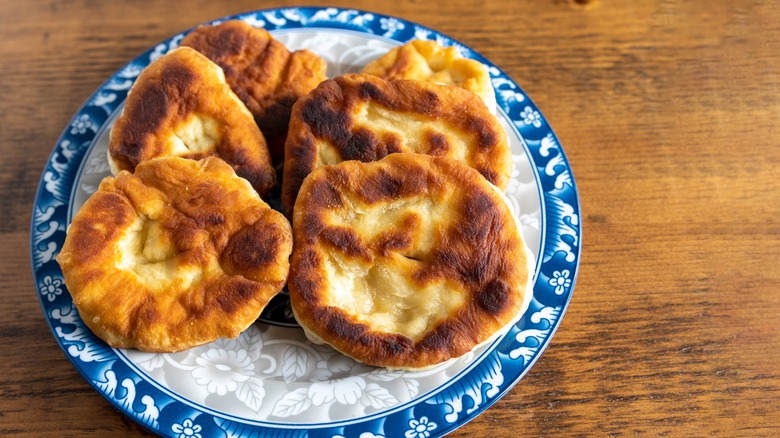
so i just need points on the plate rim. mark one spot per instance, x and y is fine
(573, 265)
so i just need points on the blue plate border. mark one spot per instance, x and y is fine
(437, 413)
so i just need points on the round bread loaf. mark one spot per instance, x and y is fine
(180, 105)
(426, 60)
(266, 76)
(363, 117)
(178, 254)
(405, 262)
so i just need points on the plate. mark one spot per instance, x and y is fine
(271, 381)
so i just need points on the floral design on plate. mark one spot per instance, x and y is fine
(187, 429)
(271, 380)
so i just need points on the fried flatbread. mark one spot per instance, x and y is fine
(405, 262)
(363, 117)
(180, 105)
(266, 76)
(176, 255)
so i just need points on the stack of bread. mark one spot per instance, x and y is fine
(402, 253)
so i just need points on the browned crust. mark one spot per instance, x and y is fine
(429, 61)
(267, 77)
(212, 219)
(479, 250)
(325, 118)
(169, 91)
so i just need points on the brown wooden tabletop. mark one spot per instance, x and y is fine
(669, 112)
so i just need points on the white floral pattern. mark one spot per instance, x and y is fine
(51, 287)
(187, 429)
(560, 281)
(221, 371)
(420, 429)
(531, 117)
(390, 25)
(82, 124)
(346, 391)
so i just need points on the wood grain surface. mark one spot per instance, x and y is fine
(669, 112)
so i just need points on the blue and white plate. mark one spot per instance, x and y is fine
(271, 381)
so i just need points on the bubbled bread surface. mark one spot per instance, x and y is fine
(363, 117)
(405, 262)
(178, 254)
(266, 76)
(426, 60)
(180, 105)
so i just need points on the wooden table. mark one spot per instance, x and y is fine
(669, 112)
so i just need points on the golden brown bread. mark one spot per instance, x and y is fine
(180, 105)
(262, 72)
(405, 262)
(363, 117)
(426, 60)
(178, 254)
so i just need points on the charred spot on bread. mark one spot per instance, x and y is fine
(267, 77)
(175, 255)
(365, 118)
(180, 105)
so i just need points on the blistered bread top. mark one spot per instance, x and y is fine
(405, 262)
(428, 61)
(363, 117)
(178, 254)
(266, 76)
(180, 105)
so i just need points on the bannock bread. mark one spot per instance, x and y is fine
(363, 117)
(176, 255)
(180, 105)
(405, 262)
(426, 60)
(266, 76)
